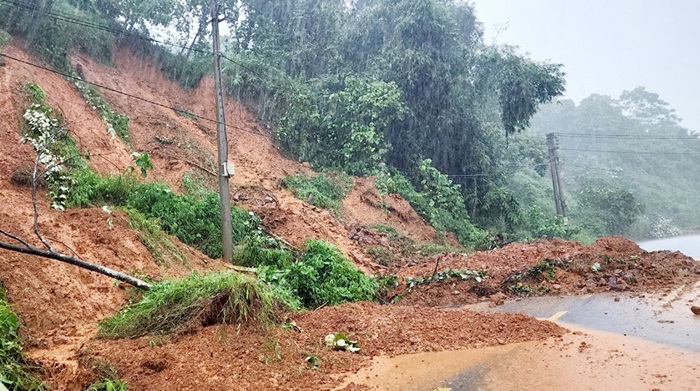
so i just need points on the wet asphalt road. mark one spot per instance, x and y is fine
(662, 318)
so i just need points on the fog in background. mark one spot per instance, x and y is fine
(608, 46)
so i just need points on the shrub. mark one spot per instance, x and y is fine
(440, 202)
(196, 222)
(323, 276)
(198, 300)
(324, 190)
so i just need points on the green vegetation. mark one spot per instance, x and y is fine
(117, 124)
(55, 149)
(164, 251)
(325, 190)
(16, 371)
(372, 88)
(624, 166)
(198, 300)
(196, 222)
(440, 202)
(5, 38)
(321, 276)
(108, 385)
(462, 274)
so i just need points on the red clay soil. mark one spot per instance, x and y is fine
(224, 359)
(623, 266)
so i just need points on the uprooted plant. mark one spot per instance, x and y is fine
(195, 301)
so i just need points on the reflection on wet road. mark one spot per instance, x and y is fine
(664, 318)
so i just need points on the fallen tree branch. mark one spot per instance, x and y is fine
(31, 250)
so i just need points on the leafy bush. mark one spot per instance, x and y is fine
(198, 300)
(196, 222)
(14, 373)
(440, 202)
(55, 149)
(324, 190)
(323, 276)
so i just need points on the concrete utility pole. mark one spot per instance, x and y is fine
(225, 168)
(559, 202)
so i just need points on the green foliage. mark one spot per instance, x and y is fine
(609, 210)
(325, 190)
(540, 224)
(108, 385)
(143, 162)
(440, 202)
(198, 300)
(322, 276)
(16, 371)
(462, 274)
(164, 251)
(196, 222)
(5, 38)
(117, 124)
(55, 149)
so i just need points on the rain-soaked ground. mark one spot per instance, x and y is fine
(642, 342)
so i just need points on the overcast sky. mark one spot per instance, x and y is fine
(608, 46)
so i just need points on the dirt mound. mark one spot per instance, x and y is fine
(365, 205)
(225, 359)
(552, 266)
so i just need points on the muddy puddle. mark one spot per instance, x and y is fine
(581, 360)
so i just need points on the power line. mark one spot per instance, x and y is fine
(129, 95)
(30, 8)
(632, 152)
(623, 136)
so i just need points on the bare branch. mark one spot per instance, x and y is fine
(31, 250)
(9, 235)
(35, 177)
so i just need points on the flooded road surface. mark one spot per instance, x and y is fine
(582, 360)
(664, 318)
(618, 341)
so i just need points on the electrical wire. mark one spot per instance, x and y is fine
(130, 95)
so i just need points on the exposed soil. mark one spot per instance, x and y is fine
(60, 305)
(622, 266)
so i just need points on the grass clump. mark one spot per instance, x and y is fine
(324, 190)
(164, 251)
(15, 371)
(195, 301)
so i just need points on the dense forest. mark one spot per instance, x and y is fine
(407, 91)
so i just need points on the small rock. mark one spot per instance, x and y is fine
(501, 341)
(556, 287)
(617, 299)
(498, 298)
(695, 309)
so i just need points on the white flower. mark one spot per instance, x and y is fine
(330, 338)
(106, 209)
(340, 342)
